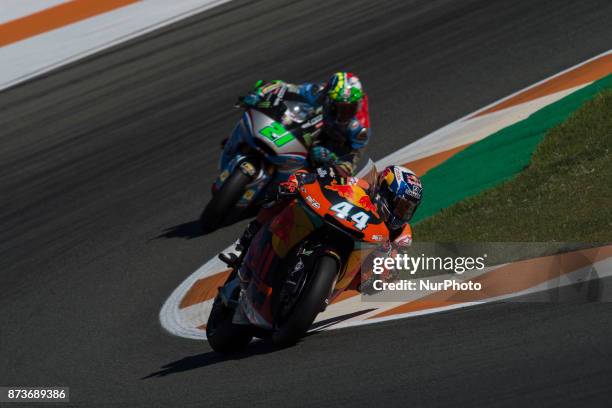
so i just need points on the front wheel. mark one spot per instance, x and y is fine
(223, 335)
(311, 302)
(224, 201)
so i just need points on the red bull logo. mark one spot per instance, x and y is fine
(355, 195)
(365, 203)
(343, 190)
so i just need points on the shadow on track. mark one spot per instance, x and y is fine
(207, 359)
(193, 229)
(257, 347)
(334, 320)
(187, 230)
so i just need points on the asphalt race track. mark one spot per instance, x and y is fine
(106, 164)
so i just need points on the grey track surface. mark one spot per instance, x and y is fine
(104, 164)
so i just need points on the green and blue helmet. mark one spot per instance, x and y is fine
(344, 96)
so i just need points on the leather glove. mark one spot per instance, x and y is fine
(322, 155)
(404, 239)
(265, 96)
(288, 188)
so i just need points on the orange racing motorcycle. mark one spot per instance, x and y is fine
(298, 263)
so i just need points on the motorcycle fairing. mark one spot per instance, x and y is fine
(277, 144)
(352, 268)
(267, 255)
(285, 159)
(322, 199)
(291, 226)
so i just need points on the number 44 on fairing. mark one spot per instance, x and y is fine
(342, 210)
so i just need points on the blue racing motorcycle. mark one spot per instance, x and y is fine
(264, 149)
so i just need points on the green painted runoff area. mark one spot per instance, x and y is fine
(498, 157)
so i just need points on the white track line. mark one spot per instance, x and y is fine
(14, 9)
(45, 52)
(603, 270)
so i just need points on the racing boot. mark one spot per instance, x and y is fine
(231, 259)
(247, 236)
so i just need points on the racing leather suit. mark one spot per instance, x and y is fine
(334, 144)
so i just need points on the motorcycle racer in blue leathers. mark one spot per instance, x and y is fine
(345, 129)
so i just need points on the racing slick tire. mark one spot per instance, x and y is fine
(223, 335)
(312, 302)
(223, 201)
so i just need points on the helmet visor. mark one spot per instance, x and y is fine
(344, 111)
(403, 208)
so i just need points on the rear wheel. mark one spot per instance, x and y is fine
(311, 302)
(223, 201)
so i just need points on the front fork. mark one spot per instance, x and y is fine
(297, 274)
